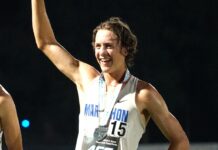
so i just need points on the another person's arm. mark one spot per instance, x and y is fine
(152, 101)
(9, 121)
(80, 73)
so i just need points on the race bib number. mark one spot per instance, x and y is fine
(117, 128)
(111, 141)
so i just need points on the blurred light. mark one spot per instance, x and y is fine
(25, 123)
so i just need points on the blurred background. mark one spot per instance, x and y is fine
(177, 53)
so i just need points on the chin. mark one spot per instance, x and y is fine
(105, 69)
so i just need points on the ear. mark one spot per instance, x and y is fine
(124, 51)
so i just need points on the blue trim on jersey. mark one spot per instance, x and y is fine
(121, 115)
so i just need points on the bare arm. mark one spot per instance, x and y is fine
(9, 122)
(80, 73)
(153, 102)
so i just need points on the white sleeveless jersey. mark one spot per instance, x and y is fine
(1, 132)
(125, 125)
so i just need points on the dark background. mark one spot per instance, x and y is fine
(178, 42)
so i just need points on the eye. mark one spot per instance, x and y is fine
(97, 46)
(108, 46)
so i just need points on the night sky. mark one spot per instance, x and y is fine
(177, 53)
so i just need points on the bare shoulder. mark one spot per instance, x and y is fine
(3, 94)
(146, 91)
(151, 101)
(5, 99)
(9, 121)
(144, 86)
(148, 96)
(87, 74)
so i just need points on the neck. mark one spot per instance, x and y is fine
(115, 78)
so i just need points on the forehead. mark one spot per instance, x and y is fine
(103, 36)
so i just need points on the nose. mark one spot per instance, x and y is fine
(101, 50)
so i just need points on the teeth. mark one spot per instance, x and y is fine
(103, 60)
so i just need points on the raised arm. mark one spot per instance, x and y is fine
(150, 100)
(80, 73)
(9, 121)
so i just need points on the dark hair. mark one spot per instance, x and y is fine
(124, 35)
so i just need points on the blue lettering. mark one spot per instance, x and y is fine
(91, 110)
(87, 110)
(119, 115)
(116, 114)
(113, 114)
(124, 116)
(96, 111)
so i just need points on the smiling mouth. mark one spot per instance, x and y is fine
(104, 60)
